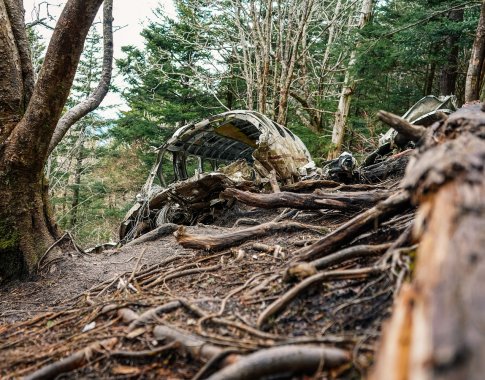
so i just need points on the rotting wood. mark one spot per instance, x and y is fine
(436, 330)
(229, 239)
(316, 201)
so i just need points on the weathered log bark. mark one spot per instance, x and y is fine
(316, 201)
(436, 331)
(26, 229)
(229, 239)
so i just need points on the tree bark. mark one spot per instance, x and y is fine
(449, 72)
(436, 331)
(342, 114)
(26, 227)
(94, 100)
(475, 66)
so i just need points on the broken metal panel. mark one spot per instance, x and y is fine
(249, 146)
(425, 112)
(237, 135)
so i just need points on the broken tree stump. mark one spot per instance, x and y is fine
(437, 327)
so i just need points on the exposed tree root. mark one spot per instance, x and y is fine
(229, 239)
(370, 218)
(283, 301)
(285, 360)
(73, 361)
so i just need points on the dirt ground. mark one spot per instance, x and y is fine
(53, 313)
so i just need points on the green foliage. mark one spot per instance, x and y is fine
(401, 56)
(166, 78)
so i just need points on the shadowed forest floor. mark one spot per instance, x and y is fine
(222, 300)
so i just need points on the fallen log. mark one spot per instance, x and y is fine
(295, 360)
(313, 184)
(436, 329)
(332, 201)
(395, 204)
(229, 239)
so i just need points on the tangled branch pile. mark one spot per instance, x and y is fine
(303, 291)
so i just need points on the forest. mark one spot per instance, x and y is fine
(344, 241)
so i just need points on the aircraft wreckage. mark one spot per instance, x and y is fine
(242, 149)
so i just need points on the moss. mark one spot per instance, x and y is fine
(11, 261)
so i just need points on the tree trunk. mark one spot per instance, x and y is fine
(342, 114)
(449, 72)
(27, 123)
(77, 177)
(473, 85)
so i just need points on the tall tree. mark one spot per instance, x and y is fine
(474, 76)
(28, 117)
(342, 114)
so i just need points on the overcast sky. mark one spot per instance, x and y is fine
(131, 15)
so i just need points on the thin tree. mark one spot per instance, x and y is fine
(342, 114)
(475, 66)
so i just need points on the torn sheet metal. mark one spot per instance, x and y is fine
(239, 146)
(425, 112)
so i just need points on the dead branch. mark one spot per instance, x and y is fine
(316, 201)
(229, 239)
(278, 305)
(410, 131)
(95, 99)
(155, 234)
(338, 257)
(152, 314)
(72, 362)
(283, 360)
(351, 229)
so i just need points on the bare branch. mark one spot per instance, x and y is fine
(95, 99)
